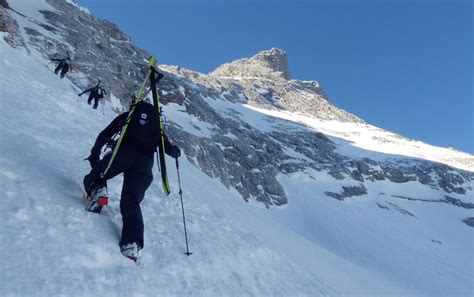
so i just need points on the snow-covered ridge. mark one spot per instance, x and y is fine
(374, 139)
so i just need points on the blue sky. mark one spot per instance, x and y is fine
(405, 66)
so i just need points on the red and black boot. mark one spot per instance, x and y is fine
(99, 199)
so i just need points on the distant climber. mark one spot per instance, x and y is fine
(134, 158)
(96, 93)
(64, 65)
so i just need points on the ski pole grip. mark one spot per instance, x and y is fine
(177, 164)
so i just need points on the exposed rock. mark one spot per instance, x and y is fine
(271, 64)
(396, 175)
(458, 202)
(10, 26)
(98, 48)
(4, 3)
(348, 192)
(401, 210)
(382, 207)
(469, 221)
(447, 199)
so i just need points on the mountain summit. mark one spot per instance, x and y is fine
(269, 64)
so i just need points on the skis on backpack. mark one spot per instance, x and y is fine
(151, 75)
(151, 63)
(161, 148)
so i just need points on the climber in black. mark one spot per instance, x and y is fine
(134, 159)
(96, 93)
(64, 65)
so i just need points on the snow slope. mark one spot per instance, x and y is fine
(314, 246)
(52, 245)
(59, 248)
(311, 247)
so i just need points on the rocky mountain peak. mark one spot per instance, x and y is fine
(268, 64)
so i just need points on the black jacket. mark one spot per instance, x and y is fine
(143, 132)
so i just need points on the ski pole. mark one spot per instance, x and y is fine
(182, 209)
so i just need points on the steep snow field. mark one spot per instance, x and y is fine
(53, 246)
(374, 245)
(314, 246)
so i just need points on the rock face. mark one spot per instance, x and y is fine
(8, 25)
(348, 192)
(238, 154)
(4, 4)
(469, 221)
(271, 64)
(98, 48)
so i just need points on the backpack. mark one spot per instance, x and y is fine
(143, 131)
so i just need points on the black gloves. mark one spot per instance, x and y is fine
(174, 151)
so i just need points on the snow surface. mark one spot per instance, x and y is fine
(314, 246)
(188, 123)
(371, 138)
(59, 248)
(78, 6)
(116, 104)
(31, 9)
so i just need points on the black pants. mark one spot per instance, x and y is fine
(136, 168)
(60, 65)
(64, 67)
(96, 99)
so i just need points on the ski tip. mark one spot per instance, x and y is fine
(152, 60)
